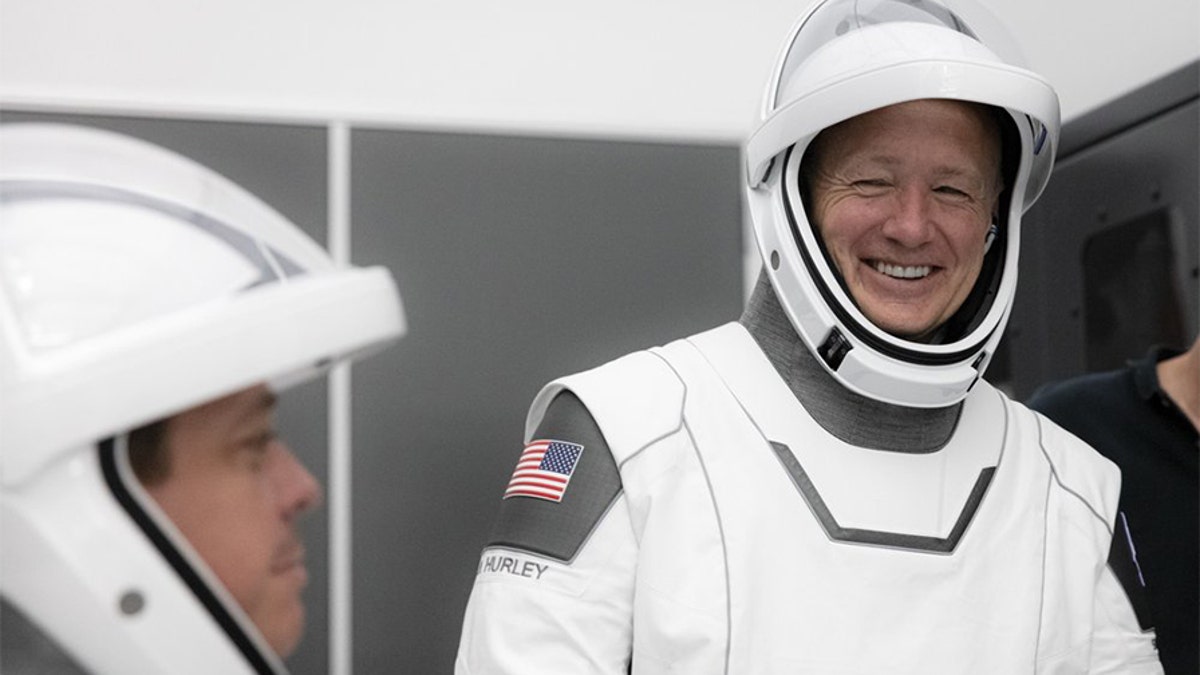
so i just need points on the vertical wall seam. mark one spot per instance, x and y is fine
(340, 488)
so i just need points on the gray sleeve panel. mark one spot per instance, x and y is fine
(557, 530)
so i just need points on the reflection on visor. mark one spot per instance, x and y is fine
(69, 278)
(836, 18)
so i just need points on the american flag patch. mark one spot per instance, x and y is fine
(544, 469)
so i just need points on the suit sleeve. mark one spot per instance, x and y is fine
(553, 591)
(1123, 638)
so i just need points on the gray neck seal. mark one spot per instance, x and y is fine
(851, 417)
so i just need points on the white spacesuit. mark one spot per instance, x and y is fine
(135, 284)
(802, 491)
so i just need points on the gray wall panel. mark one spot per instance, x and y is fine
(283, 165)
(519, 260)
(1128, 178)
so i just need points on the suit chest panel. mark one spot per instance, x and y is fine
(799, 598)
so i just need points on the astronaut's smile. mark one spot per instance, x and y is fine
(901, 271)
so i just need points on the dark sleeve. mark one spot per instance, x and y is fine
(553, 529)
(1122, 559)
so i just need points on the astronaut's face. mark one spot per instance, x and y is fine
(903, 197)
(235, 491)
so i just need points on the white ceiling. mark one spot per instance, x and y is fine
(645, 69)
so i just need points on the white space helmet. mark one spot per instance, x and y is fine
(848, 57)
(135, 284)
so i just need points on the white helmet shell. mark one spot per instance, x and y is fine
(135, 284)
(849, 57)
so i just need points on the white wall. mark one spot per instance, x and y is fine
(687, 70)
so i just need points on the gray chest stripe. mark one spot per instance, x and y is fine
(899, 540)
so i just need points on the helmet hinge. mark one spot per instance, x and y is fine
(975, 365)
(834, 349)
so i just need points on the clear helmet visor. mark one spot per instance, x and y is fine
(837, 18)
(77, 263)
(969, 53)
(135, 283)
